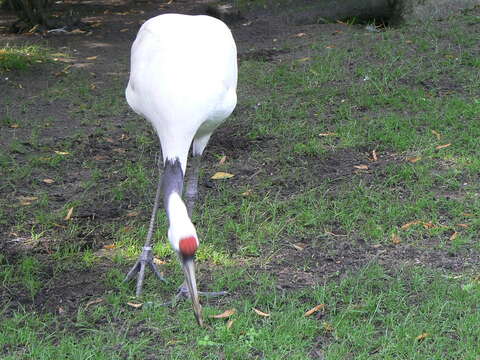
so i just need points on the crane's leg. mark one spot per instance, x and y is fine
(146, 257)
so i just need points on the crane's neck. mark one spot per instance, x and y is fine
(172, 179)
(172, 183)
(181, 232)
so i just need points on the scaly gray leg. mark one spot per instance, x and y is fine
(146, 257)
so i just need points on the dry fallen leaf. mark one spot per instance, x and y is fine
(467, 214)
(225, 314)
(411, 223)
(157, 261)
(119, 150)
(261, 313)
(442, 146)
(15, 126)
(300, 34)
(247, 193)
(135, 305)
(303, 59)
(374, 155)
(314, 310)
(222, 160)
(92, 57)
(69, 214)
(133, 213)
(124, 30)
(100, 157)
(331, 233)
(437, 134)
(428, 225)
(330, 47)
(27, 200)
(109, 246)
(328, 134)
(221, 175)
(463, 225)
(77, 31)
(93, 302)
(230, 323)
(453, 236)
(414, 159)
(48, 181)
(422, 337)
(361, 167)
(173, 342)
(299, 246)
(396, 239)
(63, 72)
(62, 152)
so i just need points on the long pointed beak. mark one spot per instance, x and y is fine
(189, 270)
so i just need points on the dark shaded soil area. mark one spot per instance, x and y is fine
(112, 26)
(332, 259)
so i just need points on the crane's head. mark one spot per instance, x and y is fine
(183, 238)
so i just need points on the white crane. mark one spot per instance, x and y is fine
(183, 79)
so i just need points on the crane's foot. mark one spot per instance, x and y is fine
(184, 294)
(145, 259)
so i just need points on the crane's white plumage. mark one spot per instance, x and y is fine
(183, 79)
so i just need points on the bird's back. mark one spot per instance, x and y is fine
(183, 73)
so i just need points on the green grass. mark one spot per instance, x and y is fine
(372, 314)
(303, 128)
(21, 57)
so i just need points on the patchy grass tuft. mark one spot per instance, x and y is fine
(21, 57)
